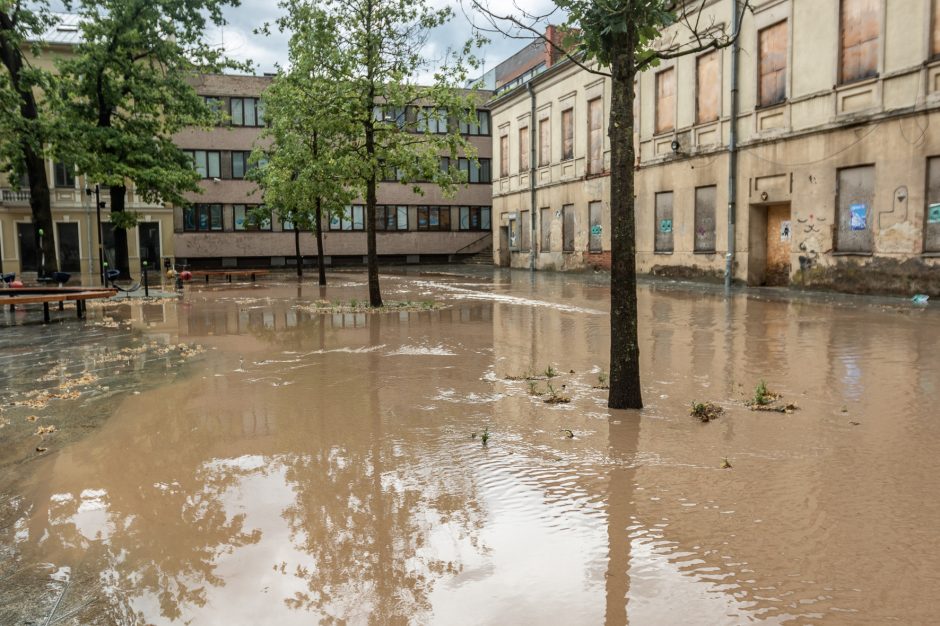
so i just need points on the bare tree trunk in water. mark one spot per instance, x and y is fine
(625, 392)
(318, 226)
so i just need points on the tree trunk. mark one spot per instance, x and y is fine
(39, 200)
(300, 259)
(625, 392)
(121, 257)
(318, 226)
(375, 295)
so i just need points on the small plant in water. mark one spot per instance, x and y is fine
(705, 411)
(762, 395)
(550, 372)
(533, 388)
(485, 435)
(603, 382)
(555, 397)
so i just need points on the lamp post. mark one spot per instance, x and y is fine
(101, 264)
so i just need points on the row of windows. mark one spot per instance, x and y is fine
(432, 120)
(208, 218)
(395, 217)
(520, 233)
(223, 164)
(475, 171)
(241, 111)
(704, 220)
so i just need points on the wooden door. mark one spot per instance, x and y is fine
(779, 238)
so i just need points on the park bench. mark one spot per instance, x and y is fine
(47, 295)
(229, 273)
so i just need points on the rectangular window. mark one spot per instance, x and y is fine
(391, 217)
(214, 104)
(595, 217)
(523, 149)
(70, 258)
(856, 192)
(246, 112)
(244, 218)
(545, 141)
(663, 222)
(433, 218)
(64, 175)
(352, 218)
(480, 127)
(149, 248)
(772, 48)
(567, 134)
(513, 234)
(207, 162)
(666, 100)
(707, 87)
(526, 234)
(932, 217)
(429, 120)
(568, 226)
(504, 156)
(705, 218)
(935, 29)
(545, 230)
(29, 253)
(476, 171)
(202, 218)
(240, 164)
(474, 218)
(595, 136)
(860, 27)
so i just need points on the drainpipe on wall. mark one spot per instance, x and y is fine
(532, 211)
(732, 149)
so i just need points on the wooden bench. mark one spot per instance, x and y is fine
(40, 295)
(229, 273)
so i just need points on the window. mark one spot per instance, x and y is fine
(595, 136)
(481, 127)
(856, 192)
(523, 149)
(568, 226)
(240, 164)
(663, 222)
(545, 230)
(29, 252)
(666, 100)
(207, 162)
(935, 29)
(247, 112)
(431, 120)
(70, 258)
(513, 234)
(504, 156)
(214, 104)
(391, 217)
(244, 218)
(772, 47)
(932, 217)
(474, 218)
(595, 241)
(860, 25)
(353, 218)
(476, 171)
(705, 219)
(707, 87)
(433, 218)
(545, 141)
(202, 218)
(64, 175)
(148, 234)
(567, 134)
(526, 227)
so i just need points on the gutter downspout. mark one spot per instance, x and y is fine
(532, 211)
(733, 149)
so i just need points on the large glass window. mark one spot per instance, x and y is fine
(244, 218)
(247, 112)
(149, 234)
(202, 218)
(433, 218)
(240, 164)
(391, 217)
(481, 127)
(432, 120)
(352, 218)
(476, 171)
(207, 162)
(70, 259)
(64, 175)
(474, 218)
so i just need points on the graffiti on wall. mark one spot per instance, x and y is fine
(810, 231)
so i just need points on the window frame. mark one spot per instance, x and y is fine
(241, 120)
(524, 149)
(875, 71)
(482, 225)
(248, 223)
(68, 174)
(207, 175)
(344, 224)
(784, 23)
(567, 138)
(430, 212)
(658, 106)
(504, 155)
(204, 209)
(714, 56)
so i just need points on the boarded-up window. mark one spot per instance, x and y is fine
(772, 42)
(568, 227)
(705, 219)
(707, 87)
(594, 218)
(663, 239)
(859, 30)
(545, 141)
(523, 149)
(932, 217)
(526, 234)
(666, 100)
(513, 234)
(935, 29)
(595, 136)
(504, 156)
(567, 134)
(545, 226)
(856, 193)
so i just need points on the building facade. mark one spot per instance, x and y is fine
(838, 159)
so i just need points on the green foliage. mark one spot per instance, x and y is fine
(550, 372)
(762, 395)
(124, 219)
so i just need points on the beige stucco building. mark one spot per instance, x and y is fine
(838, 156)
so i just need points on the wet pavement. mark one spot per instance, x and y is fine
(236, 458)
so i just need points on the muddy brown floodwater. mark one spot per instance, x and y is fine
(321, 468)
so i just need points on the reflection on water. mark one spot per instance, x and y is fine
(322, 468)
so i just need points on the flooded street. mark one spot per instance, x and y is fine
(295, 467)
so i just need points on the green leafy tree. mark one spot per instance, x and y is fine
(372, 54)
(26, 128)
(129, 89)
(619, 39)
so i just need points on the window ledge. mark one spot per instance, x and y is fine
(762, 108)
(931, 255)
(852, 254)
(861, 82)
(704, 252)
(663, 252)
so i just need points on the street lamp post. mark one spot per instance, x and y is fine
(98, 205)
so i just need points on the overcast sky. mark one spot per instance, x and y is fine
(265, 52)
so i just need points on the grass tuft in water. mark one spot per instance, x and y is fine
(706, 411)
(556, 397)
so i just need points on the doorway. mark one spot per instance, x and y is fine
(70, 258)
(779, 238)
(504, 246)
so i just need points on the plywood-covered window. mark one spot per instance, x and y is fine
(504, 156)
(545, 141)
(545, 228)
(523, 149)
(595, 217)
(595, 136)
(854, 209)
(932, 214)
(705, 219)
(772, 47)
(567, 134)
(860, 26)
(935, 29)
(666, 100)
(568, 226)
(526, 234)
(663, 212)
(707, 88)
